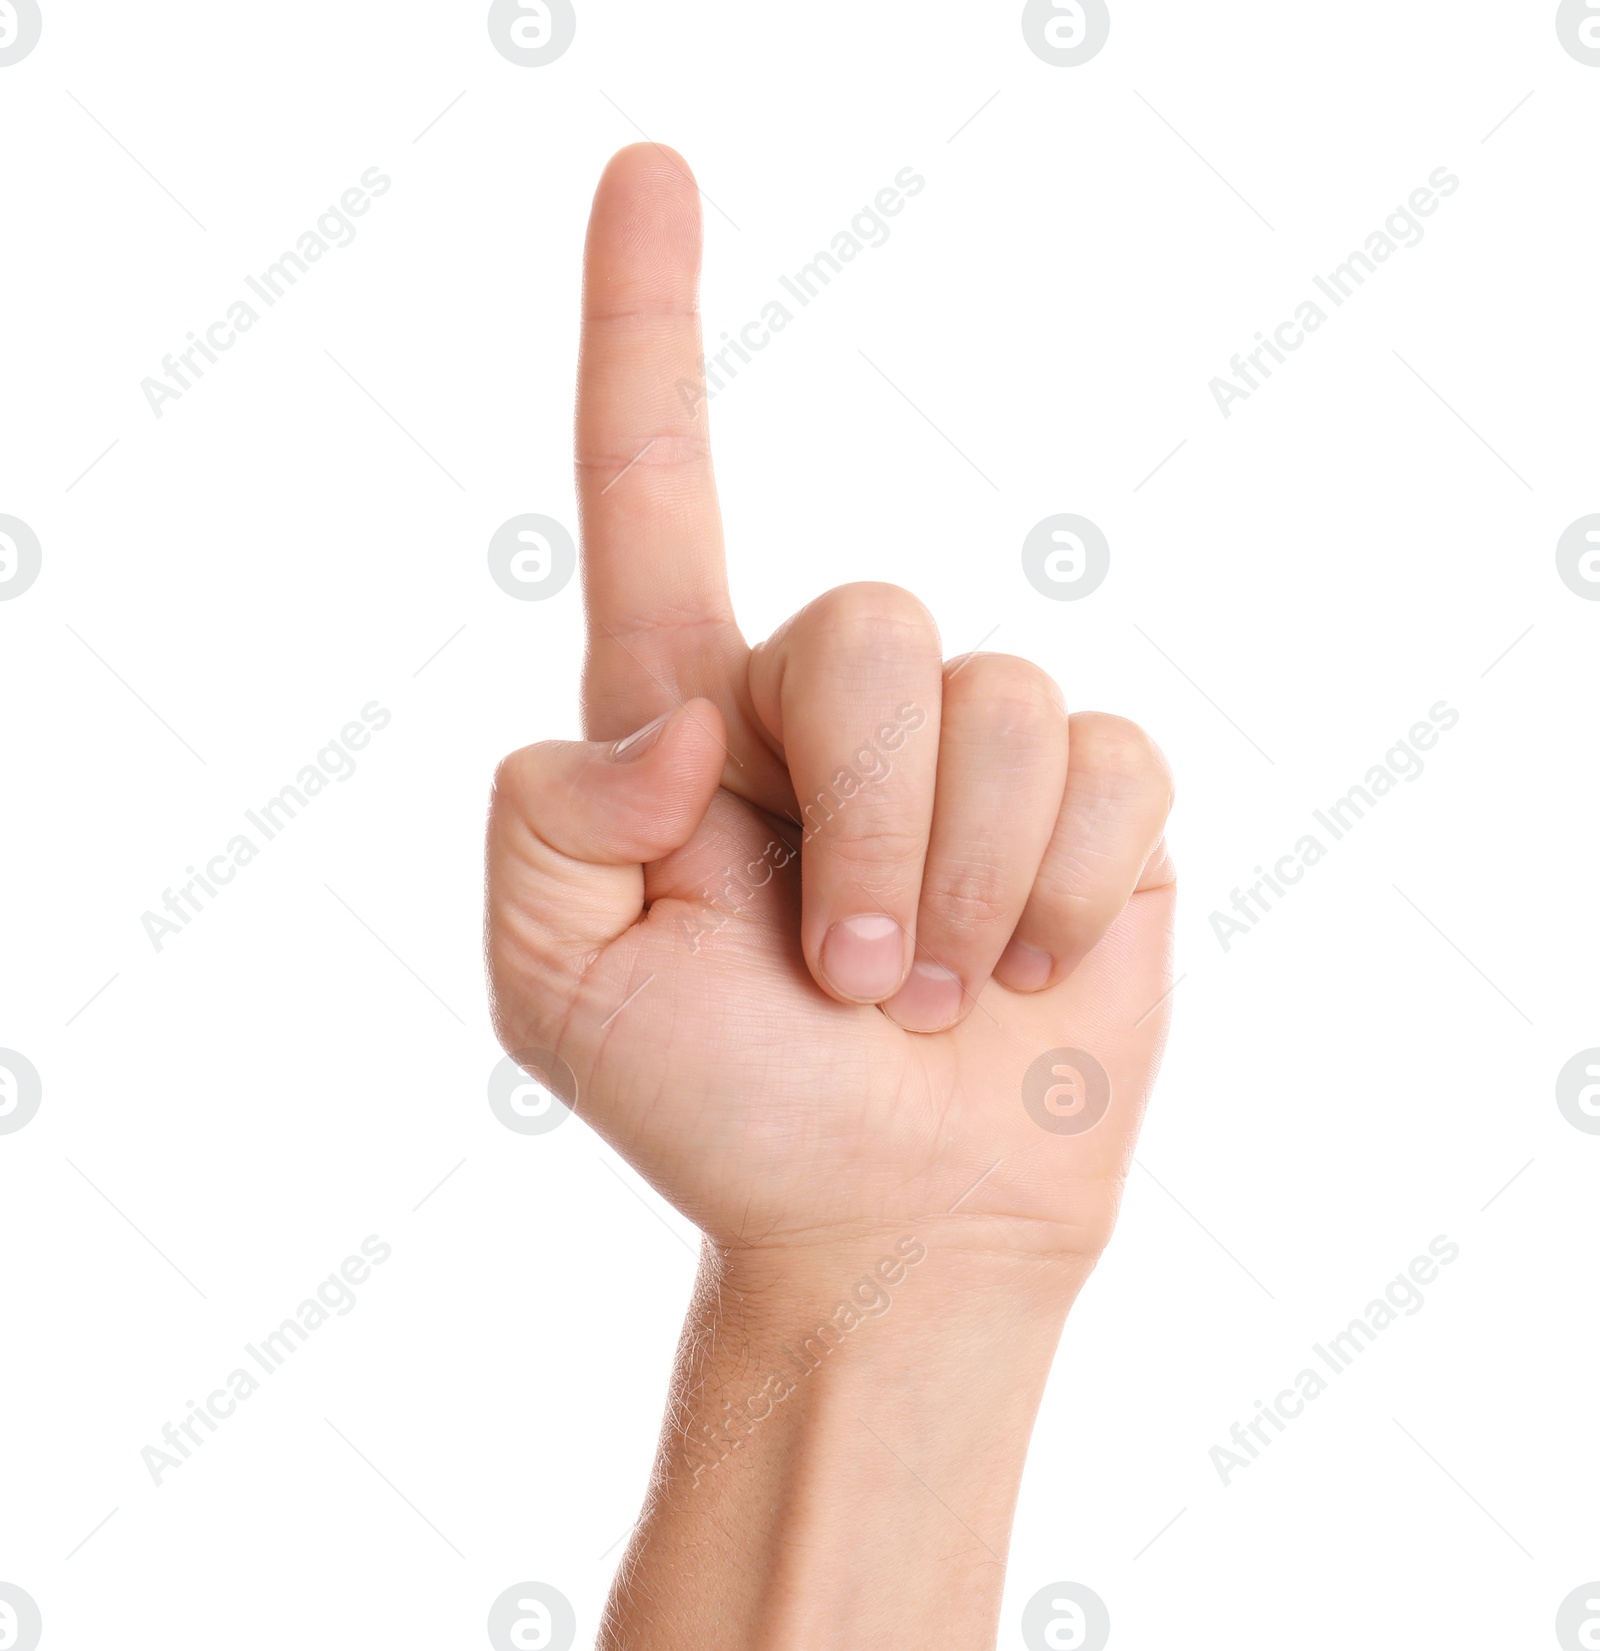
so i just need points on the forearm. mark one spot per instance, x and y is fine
(843, 1447)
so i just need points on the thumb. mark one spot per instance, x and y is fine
(572, 826)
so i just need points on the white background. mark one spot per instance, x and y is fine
(1288, 594)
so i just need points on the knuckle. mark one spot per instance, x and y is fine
(870, 609)
(877, 854)
(1014, 695)
(1121, 751)
(1079, 885)
(521, 781)
(967, 896)
(513, 777)
(666, 450)
(1159, 870)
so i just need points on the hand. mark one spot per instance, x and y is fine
(800, 919)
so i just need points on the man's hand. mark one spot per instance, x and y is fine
(801, 941)
(854, 953)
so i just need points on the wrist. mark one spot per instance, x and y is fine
(880, 1391)
(843, 1331)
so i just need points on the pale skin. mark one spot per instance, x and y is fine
(803, 1005)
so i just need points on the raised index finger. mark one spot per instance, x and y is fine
(654, 577)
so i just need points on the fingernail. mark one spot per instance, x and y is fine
(929, 1001)
(863, 956)
(635, 745)
(1023, 968)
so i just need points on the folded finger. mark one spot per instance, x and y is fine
(850, 691)
(1118, 795)
(1002, 770)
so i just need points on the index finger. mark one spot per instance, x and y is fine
(654, 576)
